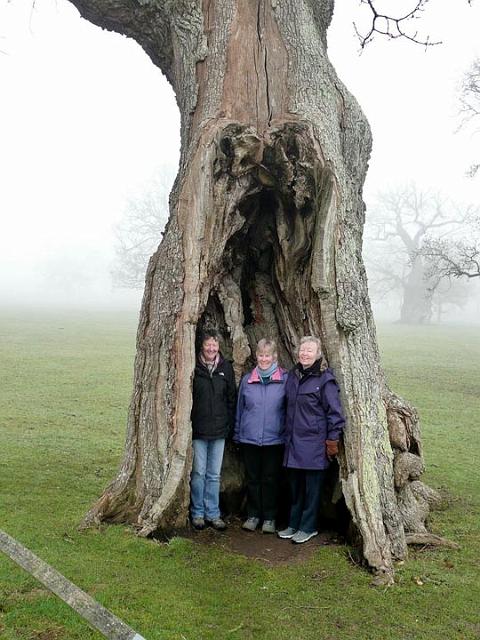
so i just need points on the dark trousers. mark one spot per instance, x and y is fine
(262, 467)
(306, 489)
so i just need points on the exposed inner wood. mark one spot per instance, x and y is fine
(254, 91)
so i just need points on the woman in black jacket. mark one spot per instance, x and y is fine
(213, 416)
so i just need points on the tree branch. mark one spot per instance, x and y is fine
(146, 22)
(393, 27)
(470, 93)
(451, 259)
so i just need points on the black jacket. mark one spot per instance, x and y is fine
(214, 398)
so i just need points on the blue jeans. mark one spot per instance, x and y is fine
(205, 478)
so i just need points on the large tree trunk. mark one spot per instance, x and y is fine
(417, 299)
(264, 238)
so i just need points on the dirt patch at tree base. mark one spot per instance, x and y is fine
(266, 548)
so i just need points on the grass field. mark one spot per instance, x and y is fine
(65, 387)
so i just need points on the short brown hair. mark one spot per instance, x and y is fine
(205, 334)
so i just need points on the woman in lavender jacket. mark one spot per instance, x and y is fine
(259, 428)
(313, 426)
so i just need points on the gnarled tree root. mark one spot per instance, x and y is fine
(430, 540)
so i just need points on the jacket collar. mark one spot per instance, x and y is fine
(202, 367)
(277, 375)
(306, 375)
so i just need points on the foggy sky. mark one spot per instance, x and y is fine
(86, 120)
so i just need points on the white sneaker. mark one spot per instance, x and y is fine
(250, 524)
(268, 526)
(302, 536)
(287, 533)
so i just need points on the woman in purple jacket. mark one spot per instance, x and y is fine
(313, 426)
(259, 428)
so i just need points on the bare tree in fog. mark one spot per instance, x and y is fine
(140, 231)
(470, 103)
(397, 225)
(454, 258)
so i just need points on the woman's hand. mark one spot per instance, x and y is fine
(332, 448)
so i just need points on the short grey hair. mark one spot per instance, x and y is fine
(267, 343)
(314, 339)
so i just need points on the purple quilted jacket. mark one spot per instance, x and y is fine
(314, 414)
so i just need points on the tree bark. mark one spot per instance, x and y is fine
(264, 238)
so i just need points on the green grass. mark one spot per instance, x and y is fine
(65, 385)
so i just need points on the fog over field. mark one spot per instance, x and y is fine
(86, 122)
